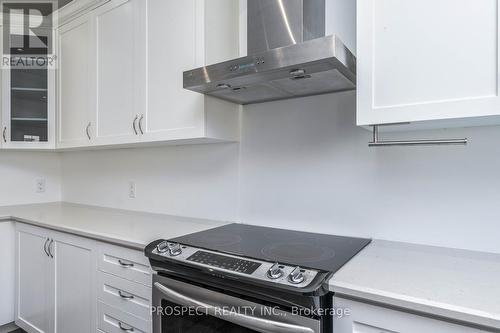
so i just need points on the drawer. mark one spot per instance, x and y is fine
(125, 295)
(125, 263)
(112, 320)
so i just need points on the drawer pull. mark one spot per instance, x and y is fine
(124, 327)
(125, 295)
(125, 264)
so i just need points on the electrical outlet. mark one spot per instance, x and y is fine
(131, 190)
(40, 185)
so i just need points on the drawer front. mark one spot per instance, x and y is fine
(112, 320)
(125, 263)
(128, 296)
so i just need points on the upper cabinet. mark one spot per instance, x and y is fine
(427, 60)
(183, 35)
(75, 77)
(28, 82)
(120, 51)
(121, 84)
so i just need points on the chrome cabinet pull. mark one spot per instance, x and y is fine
(125, 264)
(45, 247)
(125, 295)
(124, 327)
(4, 135)
(87, 130)
(134, 124)
(216, 310)
(140, 124)
(49, 248)
(376, 142)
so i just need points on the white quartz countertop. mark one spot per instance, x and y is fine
(123, 227)
(456, 284)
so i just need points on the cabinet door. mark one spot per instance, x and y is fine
(176, 27)
(28, 83)
(33, 280)
(76, 84)
(424, 60)
(121, 41)
(74, 272)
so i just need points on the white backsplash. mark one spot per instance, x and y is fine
(19, 172)
(303, 164)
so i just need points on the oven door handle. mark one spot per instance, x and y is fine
(260, 324)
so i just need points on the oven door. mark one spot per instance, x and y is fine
(182, 307)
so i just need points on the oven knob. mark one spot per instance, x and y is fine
(174, 249)
(275, 272)
(162, 247)
(296, 276)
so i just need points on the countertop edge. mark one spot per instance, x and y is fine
(419, 305)
(78, 232)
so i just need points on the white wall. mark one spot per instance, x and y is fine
(18, 174)
(304, 165)
(194, 181)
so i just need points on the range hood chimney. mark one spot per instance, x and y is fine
(289, 56)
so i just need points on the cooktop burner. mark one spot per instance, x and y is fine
(310, 250)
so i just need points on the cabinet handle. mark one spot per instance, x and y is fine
(125, 295)
(50, 249)
(376, 142)
(4, 135)
(125, 328)
(133, 124)
(125, 264)
(45, 247)
(87, 130)
(140, 123)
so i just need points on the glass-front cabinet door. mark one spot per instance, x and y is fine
(28, 84)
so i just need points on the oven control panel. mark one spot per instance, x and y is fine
(251, 268)
(225, 262)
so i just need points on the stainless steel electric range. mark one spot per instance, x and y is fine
(241, 278)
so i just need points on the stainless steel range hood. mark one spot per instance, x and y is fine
(290, 56)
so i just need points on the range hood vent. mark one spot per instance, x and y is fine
(289, 57)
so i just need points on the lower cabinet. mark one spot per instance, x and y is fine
(34, 311)
(123, 290)
(367, 318)
(69, 284)
(73, 283)
(55, 281)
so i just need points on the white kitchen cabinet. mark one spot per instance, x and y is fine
(75, 85)
(33, 311)
(120, 46)
(28, 90)
(428, 60)
(73, 271)
(184, 35)
(55, 291)
(134, 78)
(366, 318)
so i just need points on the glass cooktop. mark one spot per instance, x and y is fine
(305, 249)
